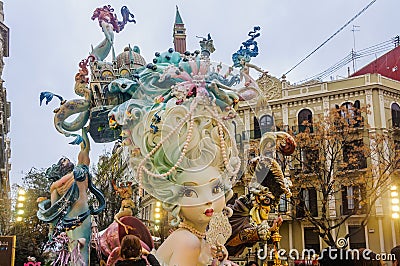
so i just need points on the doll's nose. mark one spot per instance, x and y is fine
(209, 203)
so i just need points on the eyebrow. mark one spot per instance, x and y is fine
(190, 184)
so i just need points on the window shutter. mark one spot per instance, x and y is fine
(313, 202)
(345, 207)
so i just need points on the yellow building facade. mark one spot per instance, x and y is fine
(287, 107)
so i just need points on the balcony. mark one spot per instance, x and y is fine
(359, 165)
(254, 134)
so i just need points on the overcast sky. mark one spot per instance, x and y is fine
(49, 38)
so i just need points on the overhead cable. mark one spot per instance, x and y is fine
(333, 35)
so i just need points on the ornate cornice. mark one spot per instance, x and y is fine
(270, 86)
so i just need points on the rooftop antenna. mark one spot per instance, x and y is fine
(353, 51)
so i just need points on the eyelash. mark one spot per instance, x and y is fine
(185, 193)
(191, 193)
(219, 187)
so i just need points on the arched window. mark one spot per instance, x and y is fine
(357, 111)
(347, 112)
(395, 115)
(305, 117)
(257, 131)
(357, 104)
(266, 123)
(97, 95)
(351, 113)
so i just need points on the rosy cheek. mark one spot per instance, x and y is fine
(219, 204)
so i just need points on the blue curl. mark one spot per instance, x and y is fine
(248, 49)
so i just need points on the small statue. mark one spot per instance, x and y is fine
(207, 46)
(68, 211)
(127, 204)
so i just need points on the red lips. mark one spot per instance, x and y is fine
(209, 212)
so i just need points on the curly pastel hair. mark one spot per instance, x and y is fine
(203, 150)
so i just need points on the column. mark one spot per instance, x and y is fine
(285, 114)
(381, 239)
(290, 235)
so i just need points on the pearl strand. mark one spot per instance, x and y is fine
(192, 230)
(235, 151)
(221, 128)
(141, 167)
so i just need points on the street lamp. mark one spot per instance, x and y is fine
(157, 213)
(19, 208)
(394, 196)
(159, 220)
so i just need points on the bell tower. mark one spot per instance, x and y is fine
(179, 33)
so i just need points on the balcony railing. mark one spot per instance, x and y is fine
(256, 134)
(253, 134)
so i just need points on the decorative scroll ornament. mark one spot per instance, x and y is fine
(220, 230)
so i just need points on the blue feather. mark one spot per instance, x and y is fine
(49, 96)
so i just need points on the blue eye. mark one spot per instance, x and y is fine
(218, 188)
(188, 192)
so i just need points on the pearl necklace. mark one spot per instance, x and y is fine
(192, 230)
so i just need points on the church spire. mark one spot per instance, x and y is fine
(178, 18)
(179, 33)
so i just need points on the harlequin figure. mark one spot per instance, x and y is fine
(250, 212)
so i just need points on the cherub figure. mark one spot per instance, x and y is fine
(127, 204)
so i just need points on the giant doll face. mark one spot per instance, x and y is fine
(201, 195)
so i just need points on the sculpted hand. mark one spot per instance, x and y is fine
(263, 231)
(276, 224)
(127, 228)
(213, 250)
